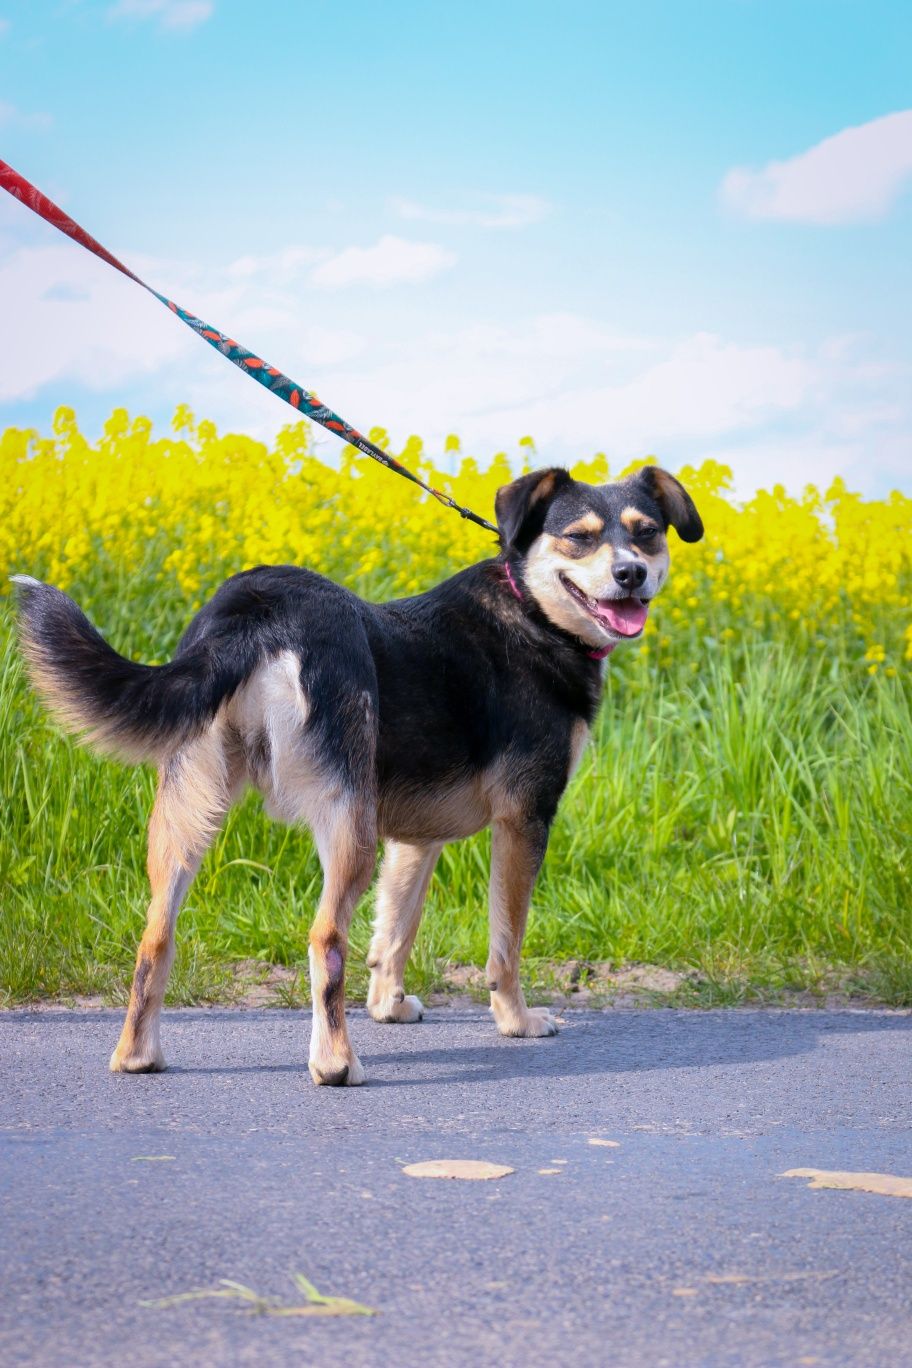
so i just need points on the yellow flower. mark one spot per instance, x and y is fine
(185, 509)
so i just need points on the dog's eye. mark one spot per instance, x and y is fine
(647, 534)
(578, 536)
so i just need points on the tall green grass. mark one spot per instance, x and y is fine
(744, 811)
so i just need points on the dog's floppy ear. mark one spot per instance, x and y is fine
(520, 507)
(674, 501)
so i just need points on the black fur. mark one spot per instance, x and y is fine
(457, 675)
(131, 706)
(435, 688)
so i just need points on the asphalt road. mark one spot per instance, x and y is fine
(680, 1245)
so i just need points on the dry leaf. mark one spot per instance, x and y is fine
(550, 1170)
(885, 1184)
(608, 1144)
(475, 1169)
(150, 1158)
(684, 1292)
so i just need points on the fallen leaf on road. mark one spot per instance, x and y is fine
(885, 1184)
(150, 1158)
(550, 1170)
(683, 1291)
(608, 1144)
(473, 1169)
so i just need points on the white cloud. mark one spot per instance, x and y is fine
(575, 383)
(68, 310)
(391, 261)
(182, 15)
(577, 388)
(11, 117)
(504, 211)
(284, 265)
(853, 176)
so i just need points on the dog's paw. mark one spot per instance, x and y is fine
(389, 1010)
(152, 1061)
(531, 1023)
(337, 1072)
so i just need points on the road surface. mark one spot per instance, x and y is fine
(680, 1244)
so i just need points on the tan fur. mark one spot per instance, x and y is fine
(404, 878)
(67, 706)
(196, 789)
(516, 854)
(347, 872)
(579, 737)
(544, 562)
(272, 706)
(548, 556)
(195, 792)
(444, 813)
(543, 489)
(589, 522)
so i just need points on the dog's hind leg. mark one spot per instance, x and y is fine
(404, 878)
(347, 841)
(517, 851)
(195, 791)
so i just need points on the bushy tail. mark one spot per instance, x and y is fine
(138, 712)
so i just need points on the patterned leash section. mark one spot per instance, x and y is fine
(270, 377)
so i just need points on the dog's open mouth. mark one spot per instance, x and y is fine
(625, 617)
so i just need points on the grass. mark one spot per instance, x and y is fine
(314, 1303)
(744, 812)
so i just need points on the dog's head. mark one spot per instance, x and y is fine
(593, 556)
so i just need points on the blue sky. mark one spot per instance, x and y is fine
(663, 228)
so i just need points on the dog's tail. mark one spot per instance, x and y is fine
(137, 712)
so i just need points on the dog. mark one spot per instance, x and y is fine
(414, 722)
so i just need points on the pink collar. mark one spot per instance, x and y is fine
(593, 655)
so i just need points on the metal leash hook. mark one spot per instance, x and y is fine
(300, 399)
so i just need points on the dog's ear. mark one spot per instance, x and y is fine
(674, 501)
(520, 507)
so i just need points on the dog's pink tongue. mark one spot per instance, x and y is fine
(625, 616)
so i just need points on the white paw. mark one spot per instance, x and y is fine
(388, 1009)
(337, 1072)
(531, 1023)
(143, 1062)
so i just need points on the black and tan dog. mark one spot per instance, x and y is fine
(415, 722)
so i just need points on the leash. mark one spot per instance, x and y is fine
(300, 399)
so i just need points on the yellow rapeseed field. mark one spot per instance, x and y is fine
(192, 507)
(742, 815)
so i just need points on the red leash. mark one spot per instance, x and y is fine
(294, 394)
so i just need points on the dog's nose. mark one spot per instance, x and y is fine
(629, 574)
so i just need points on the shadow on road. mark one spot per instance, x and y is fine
(461, 1046)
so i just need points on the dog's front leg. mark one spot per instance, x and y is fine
(517, 851)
